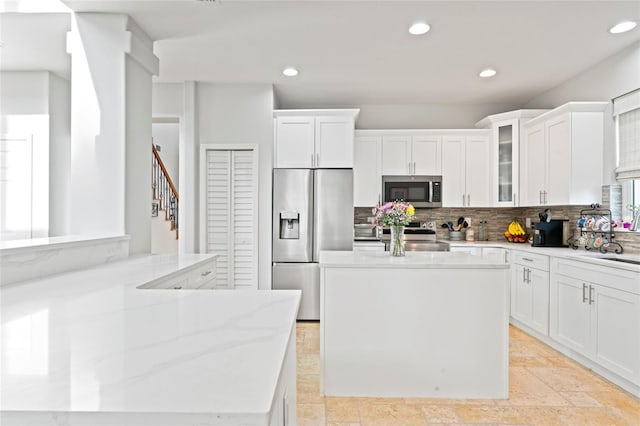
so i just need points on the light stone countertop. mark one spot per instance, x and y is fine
(89, 343)
(415, 259)
(582, 255)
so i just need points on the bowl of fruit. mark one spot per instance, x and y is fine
(515, 233)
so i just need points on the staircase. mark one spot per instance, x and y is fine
(164, 208)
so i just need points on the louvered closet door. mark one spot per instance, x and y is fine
(232, 217)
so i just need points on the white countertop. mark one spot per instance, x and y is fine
(19, 246)
(592, 256)
(415, 259)
(89, 341)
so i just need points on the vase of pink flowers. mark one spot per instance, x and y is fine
(395, 215)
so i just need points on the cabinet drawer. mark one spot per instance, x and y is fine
(202, 276)
(533, 260)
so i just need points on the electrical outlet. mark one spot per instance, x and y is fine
(527, 222)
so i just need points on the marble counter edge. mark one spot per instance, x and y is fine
(8, 248)
(412, 260)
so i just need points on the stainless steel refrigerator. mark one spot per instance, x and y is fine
(312, 211)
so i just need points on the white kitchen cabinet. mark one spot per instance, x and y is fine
(367, 170)
(411, 154)
(505, 140)
(283, 407)
(202, 276)
(530, 290)
(314, 138)
(595, 311)
(561, 155)
(466, 173)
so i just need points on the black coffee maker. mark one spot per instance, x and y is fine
(551, 233)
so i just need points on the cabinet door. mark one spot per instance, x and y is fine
(615, 324)
(453, 171)
(367, 171)
(520, 294)
(334, 142)
(505, 181)
(558, 160)
(294, 142)
(396, 155)
(533, 162)
(478, 171)
(569, 313)
(426, 154)
(539, 283)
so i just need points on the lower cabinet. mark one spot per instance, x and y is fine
(283, 407)
(199, 277)
(596, 312)
(530, 291)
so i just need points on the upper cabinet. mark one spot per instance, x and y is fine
(561, 155)
(505, 145)
(466, 172)
(367, 170)
(411, 154)
(314, 138)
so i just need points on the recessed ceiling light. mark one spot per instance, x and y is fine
(290, 72)
(488, 73)
(623, 27)
(419, 28)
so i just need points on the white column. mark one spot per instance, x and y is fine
(112, 63)
(188, 169)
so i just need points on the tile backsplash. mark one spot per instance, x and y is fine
(498, 220)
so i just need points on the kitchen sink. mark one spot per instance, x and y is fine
(615, 259)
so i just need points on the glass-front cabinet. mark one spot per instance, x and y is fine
(506, 182)
(505, 154)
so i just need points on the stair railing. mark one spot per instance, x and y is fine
(163, 188)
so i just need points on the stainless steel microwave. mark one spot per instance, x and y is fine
(421, 191)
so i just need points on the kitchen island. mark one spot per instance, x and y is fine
(429, 324)
(101, 346)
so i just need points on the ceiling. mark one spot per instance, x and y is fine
(351, 53)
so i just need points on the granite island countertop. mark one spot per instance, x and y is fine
(88, 347)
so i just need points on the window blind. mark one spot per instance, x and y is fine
(626, 110)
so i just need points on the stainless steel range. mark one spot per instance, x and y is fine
(418, 237)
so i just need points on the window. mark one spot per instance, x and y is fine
(626, 111)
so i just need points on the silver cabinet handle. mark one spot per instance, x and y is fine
(468, 200)
(514, 198)
(409, 165)
(414, 167)
(527, 259)
(524, 275)
(204, 274)
(318, 160)
(540, 197)
(178, 287)
(312, 161)
(529, 276)
(463, 200)
(591, 300)
(584, 293)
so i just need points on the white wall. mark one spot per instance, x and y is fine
(606, 80)
(59, 155)
(426, 116)
(138, 157)
(24, 92)
(168, 100)
(243, 114)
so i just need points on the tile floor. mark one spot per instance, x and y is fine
(546, 389)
